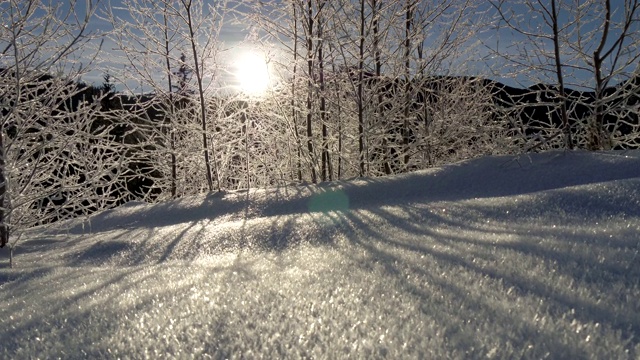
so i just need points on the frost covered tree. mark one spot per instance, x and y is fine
(56, 158)
(392, 49)
(542, 51)
(587, 45)
(461, 122)
(355, 70)
(352, 22)
(291, 27)
(171, 47)
(609, 37)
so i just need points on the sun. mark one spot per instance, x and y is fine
(252, 73)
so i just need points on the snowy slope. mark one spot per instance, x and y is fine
(501, 257)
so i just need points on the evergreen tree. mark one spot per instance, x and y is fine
(183, 75)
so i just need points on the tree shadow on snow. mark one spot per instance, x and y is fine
(474, 248)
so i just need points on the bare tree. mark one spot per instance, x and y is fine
(56, 157)
(397, 47)
(294, 109)
(191, 10)
(326, 171)
(146, 43)
(554, 15)
(608, 47)
(309, 27)
(366, 63)
(534, 55)
(594, 44)
(463, 122)
(409, 10)
(355, 48)
(159, 43)
(172, 106)
(286, 25)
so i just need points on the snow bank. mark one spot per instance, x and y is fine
(501, 257)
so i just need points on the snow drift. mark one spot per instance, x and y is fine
(535, 256)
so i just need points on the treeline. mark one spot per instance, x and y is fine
(450, 118)
(364, 88)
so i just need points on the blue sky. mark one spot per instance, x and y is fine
(591, 21)
(233, 36)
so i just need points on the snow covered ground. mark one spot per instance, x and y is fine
(501, 257)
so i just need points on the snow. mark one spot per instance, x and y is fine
(536, 256)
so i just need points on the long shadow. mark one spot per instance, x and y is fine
(273, 221)
(104, 302)
(602, 274)
(457, 326)
(480, 178)
(280, 207)
(452, 304)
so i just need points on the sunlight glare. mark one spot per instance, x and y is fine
(252, 73)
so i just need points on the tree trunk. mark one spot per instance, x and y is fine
(361, 127)
(563, 98)
(596, 141)
(326, 173)
(407, 89)
(294, 110)
(203, 107)
(376, 8)
(310, 81)
(4, 227)
(337, 113)
(172, 112)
